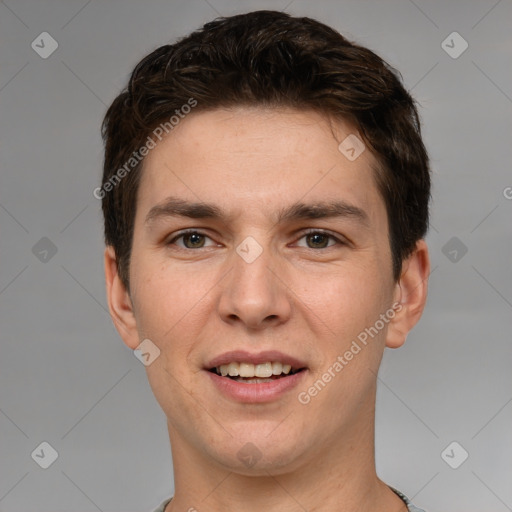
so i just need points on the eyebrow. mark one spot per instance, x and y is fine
(322, 210)
(175, 207)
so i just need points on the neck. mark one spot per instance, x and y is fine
(335, 474)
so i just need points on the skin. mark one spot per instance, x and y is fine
(307, 301)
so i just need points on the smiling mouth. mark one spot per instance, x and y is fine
(249, 373)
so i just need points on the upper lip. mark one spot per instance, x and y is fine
(242, 356)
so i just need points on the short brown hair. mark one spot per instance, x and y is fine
(270, 58)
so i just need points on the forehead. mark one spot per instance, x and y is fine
(255, 161)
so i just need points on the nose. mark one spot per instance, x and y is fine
(254, 293)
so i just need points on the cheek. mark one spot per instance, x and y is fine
(170, 301)
(345, 299)
(339, 313)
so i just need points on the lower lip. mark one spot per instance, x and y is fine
(256, 393)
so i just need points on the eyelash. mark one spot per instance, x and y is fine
(305, 234)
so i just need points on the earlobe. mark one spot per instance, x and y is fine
(119, 302)
(410, 294)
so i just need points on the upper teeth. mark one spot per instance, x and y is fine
(253, 370)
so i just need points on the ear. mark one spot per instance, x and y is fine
(410, 294)
(119, 302)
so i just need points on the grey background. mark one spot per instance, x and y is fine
(65, 376)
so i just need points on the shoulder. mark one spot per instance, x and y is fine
(162, 506)
(407, 501)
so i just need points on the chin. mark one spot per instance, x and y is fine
(258, 454)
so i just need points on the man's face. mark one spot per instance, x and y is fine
(261, 277)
